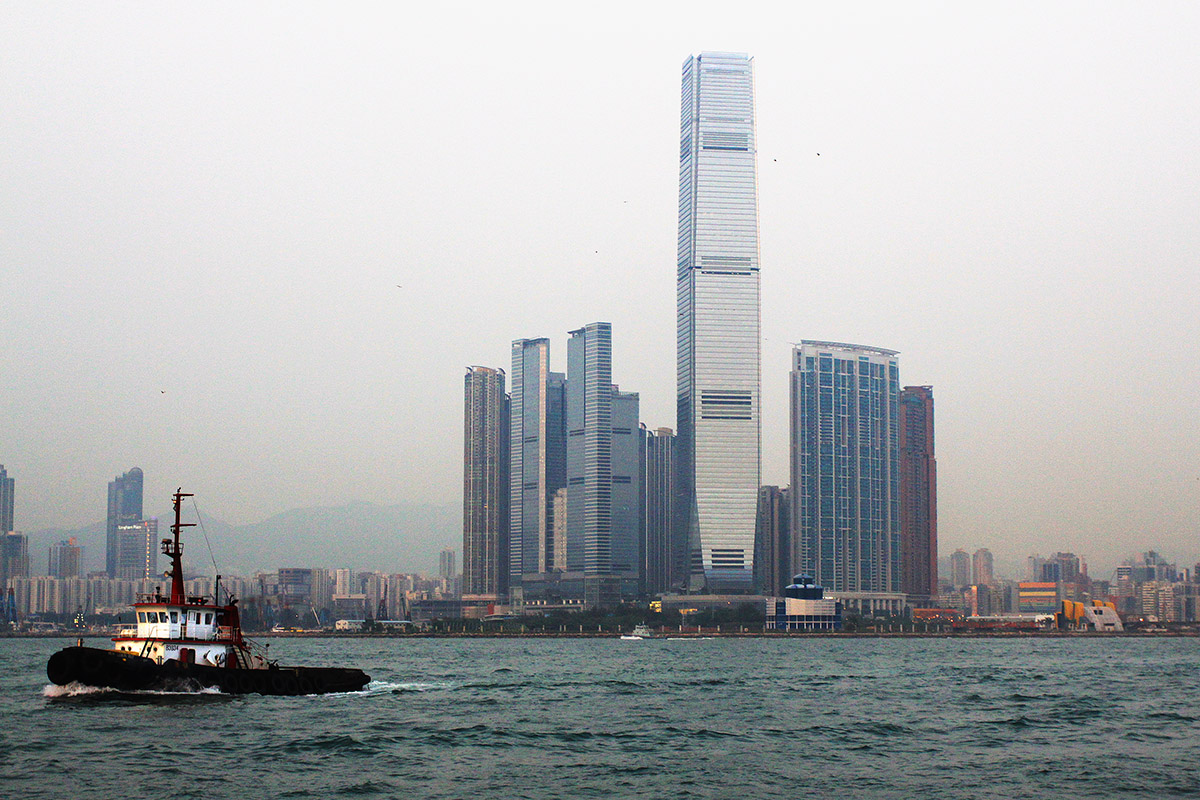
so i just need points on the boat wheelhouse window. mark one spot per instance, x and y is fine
(208, 619)
(162, 616)
(174, 616)
(141, 616)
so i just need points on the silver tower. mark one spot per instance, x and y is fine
(718, 352)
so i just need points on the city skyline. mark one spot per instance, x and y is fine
(969, 234)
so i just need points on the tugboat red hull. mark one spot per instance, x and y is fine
(113, 669)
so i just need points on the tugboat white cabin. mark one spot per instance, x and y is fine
(194, 633)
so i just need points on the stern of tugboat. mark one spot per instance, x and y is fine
(92, 666)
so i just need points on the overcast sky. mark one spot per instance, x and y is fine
(251, 248)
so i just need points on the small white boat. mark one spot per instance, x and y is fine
(639, 632)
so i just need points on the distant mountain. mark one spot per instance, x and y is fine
(363, 536)
(401, 538)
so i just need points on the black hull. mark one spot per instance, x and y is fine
(127, 672)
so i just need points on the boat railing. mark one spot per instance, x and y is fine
(225, 632)
(127, 632)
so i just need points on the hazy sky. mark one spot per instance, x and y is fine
(206, 212)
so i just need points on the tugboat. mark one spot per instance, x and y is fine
(189, 643)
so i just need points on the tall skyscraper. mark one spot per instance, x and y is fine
(845, 466)
(626, 525)
(538, 457)
(918, 495)
(589, 448)
(7, 492)
(665, 557)
(718, 347)
(137, 550)
(772, 546)
(485, 487)
(124, 508)
(603, 470)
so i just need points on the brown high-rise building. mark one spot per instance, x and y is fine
(918, 494)
(485, 488)
(66, 559)
(664, 552)
(982, 572)
(773, 541)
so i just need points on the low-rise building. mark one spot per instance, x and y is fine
(803, 607)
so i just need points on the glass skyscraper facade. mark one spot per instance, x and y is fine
(538, 460)
(589, 448)
(845, 466)
(718, 344)
(603, 502)
(124, 508)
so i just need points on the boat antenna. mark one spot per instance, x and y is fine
(207, 543)
(173, 549)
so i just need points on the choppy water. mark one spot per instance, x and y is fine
(740, 718)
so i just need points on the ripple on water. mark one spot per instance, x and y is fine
(731, 718)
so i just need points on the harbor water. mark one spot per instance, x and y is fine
(1007, 718)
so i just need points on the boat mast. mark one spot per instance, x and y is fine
(173, 549)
